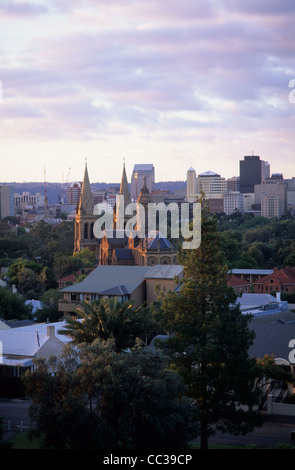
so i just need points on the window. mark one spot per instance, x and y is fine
(75, 297)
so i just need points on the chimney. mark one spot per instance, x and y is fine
(50, 331)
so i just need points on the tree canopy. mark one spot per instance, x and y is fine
(210, 338)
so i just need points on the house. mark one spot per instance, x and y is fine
(136, 283)
(21, 345)
(280, 280)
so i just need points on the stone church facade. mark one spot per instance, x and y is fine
(117, 248)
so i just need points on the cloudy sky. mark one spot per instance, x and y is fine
(176, 83)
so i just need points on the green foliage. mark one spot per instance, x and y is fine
(95, 398)
(109, 318)
(66, 264)
(254, 242)
(210, 339)
(12, 306)
(49, 311)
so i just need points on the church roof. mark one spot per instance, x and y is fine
(124, 254)
(158, 241)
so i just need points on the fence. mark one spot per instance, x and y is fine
(284, 409)
(11, 427)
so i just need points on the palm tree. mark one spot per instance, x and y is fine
(110, 318)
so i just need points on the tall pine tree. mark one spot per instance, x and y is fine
(210, 338)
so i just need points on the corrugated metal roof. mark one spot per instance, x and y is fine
(272, 339)
(26, 340)
(251, 271)
(104, 278)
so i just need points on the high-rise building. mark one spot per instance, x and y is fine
(252, 171)
(27, 199)
(73, 192)
(191, 189)
(233, 200)
(271, 206)
(6, 201)
(273, 187)
(233, 184)
(211, 183)
(140, 173)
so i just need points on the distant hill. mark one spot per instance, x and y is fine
(54, 189)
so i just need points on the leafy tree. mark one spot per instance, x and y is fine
(49, 311)
(12, 306)
(210, 338)
(109, 318)
(65, 264)
(95, 398)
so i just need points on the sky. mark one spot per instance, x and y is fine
(176, 83)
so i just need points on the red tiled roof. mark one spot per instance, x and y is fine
(73, 277)
(281, 276)
(234, 281)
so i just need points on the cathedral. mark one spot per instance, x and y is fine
(152, 249)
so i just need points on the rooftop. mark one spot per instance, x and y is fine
(106, 279)
(209, 173)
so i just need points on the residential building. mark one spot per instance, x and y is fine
(141, 172)
(20, 346)
(135, 283)
(6, 201)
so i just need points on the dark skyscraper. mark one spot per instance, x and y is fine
(252, 171)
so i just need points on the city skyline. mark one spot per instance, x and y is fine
(175, 84)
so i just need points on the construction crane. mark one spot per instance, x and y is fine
(45, 190)
(64, 188)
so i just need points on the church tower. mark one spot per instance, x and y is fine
(119, 207)
(84, 218)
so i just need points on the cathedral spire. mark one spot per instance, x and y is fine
(85, 206)
(124, 188)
